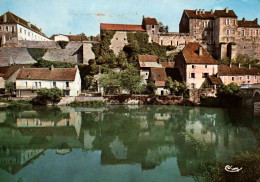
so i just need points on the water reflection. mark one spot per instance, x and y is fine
(147, 136)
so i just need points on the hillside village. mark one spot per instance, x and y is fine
(212, 48)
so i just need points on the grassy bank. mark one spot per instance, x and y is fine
(20, 104)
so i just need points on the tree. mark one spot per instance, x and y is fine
(88, 81)
(122, 60)
(9, 87)
(175, 87)
(151, 87)
(110, 81)
(229, 94)
(163, 28)
(131, 80)
(53, 94)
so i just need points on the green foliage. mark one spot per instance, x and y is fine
(36, 53)
(10, 87)
(111, 82)
(88, 103)
(19, 104)
(131, 80)
(53, 94)
(42, 63)
(138, 44)
(245, 60)
(163, 28)
(88, 81)
(229, 95)
(151, 87)
(175, 87)
(62, 44)
(122, 60)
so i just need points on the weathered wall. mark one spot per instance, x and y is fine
(118, 41)
(15, 55)
(38, 44)
(87, 53)
(175, 39)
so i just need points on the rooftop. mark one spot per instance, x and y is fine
(246, 23)
(121, 27)
(56, 74)
(150, 21)
(72, 37)
(12, 18)
(225, 70)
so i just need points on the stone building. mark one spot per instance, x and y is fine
(13, 28)
(195, 65)
(219, 31)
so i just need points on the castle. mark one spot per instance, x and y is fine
(219, 31)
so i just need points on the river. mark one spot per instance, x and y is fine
(119, 143)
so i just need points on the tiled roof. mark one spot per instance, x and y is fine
(224, 70)
(8, 71)
(121, 27)
(159, 76)
(214, 80)
(191, 55)
(72, 37)
(56, 74)
(192, 14)
(244, 23)
(150, 21)
(147, 58)
(222, 13)
(167, 64)
(12, 18)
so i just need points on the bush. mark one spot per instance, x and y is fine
(19, 104)
(53, 95)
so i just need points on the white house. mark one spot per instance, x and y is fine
(14, 28)
(30, 80)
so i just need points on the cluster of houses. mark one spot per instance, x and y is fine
(193, 65)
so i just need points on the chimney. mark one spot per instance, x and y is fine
(243, 19)
(211, 11)
(239, 65)
(203, 11)
(256, 21)
(29, 24)
(52, 67)
(226, 10)
(196, 11)
(200, 50)
(5, 18)
(199, 11)
(249, 66)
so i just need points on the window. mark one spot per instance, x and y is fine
(251, 32)
(171, 42)
(243, 32)
(240, 78)
(233, 78)
(10, 38)
(26, 84)
(35, 84)
(6, 28)
(234, 22)
(192, 75)
(40, 84)
(205, 24)
(152, 26)
(54, 84)
(205, 75)
(67, 84)
(255, 77)
(206, 66)
(227, 32)
(28, 33)
(153, 32)
(253, 39)
(177, 43)
(234, 32)
(193, 66)
(161, 42)
(25, 32)
(256, 32)
(227, 21)
(195, 32)
(12, 29)
(248, 77)
(116, 38)
(21, 30)
(192, 85)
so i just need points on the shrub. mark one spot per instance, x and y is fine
(19, 104)
(53, 95)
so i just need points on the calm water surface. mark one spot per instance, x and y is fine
(118, 143)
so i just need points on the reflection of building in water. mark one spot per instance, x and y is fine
(162, 116)
(13, 159)
(31, 119)
(88, 139)
(118, 149)
(2, 116)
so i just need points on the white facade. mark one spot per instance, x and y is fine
(61, 38)
(72, 88)
(27, 34)
(197, 73)
(162, 91)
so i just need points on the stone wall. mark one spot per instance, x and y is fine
(175, 39)
(38, 44)
(118, 41)
(87, 53)
(16, 55)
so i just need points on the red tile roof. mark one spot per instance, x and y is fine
(8, 71)
(192, 14)
(159, 76)
(121, 27)
(150, 21)
(244, 23)
(57, 74)
(222, 13)
(214, 80)
(147, 58)
(72, 37)
(224, 70)
(12, 18)
(191, 55)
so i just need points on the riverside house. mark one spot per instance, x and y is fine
(195, 65)
(30, 80)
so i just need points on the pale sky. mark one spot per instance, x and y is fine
(77, 16)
